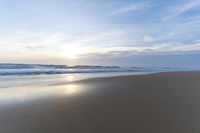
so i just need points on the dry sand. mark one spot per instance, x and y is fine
(154, 103)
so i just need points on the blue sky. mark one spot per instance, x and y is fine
(107, 32)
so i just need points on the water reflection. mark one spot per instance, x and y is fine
(72, 89)
(70, 77)
(29, 93)
(21, 94)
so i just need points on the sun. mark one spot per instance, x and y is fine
(71, 52)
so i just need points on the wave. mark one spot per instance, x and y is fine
(37, 69)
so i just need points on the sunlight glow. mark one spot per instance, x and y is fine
(69, 77)
(72, 89)
(71, 52)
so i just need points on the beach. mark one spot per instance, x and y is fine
(167, 102)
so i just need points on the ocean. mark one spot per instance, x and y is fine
(12, 75)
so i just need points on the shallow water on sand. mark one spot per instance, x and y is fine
(14, 80)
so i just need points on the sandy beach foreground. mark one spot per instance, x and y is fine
(153, 103)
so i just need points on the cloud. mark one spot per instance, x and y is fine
(130, 8)
(197, 41)
(148, 38)
(155, 49)
(35, 47)
(182, 8)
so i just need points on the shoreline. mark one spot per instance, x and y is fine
(131, 76)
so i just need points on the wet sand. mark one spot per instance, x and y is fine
(153, 103)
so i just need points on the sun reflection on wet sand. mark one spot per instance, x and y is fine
(72, 89)
(23, 94)
(29, 93)
(70, 77)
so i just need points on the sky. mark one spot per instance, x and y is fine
(100, 32)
